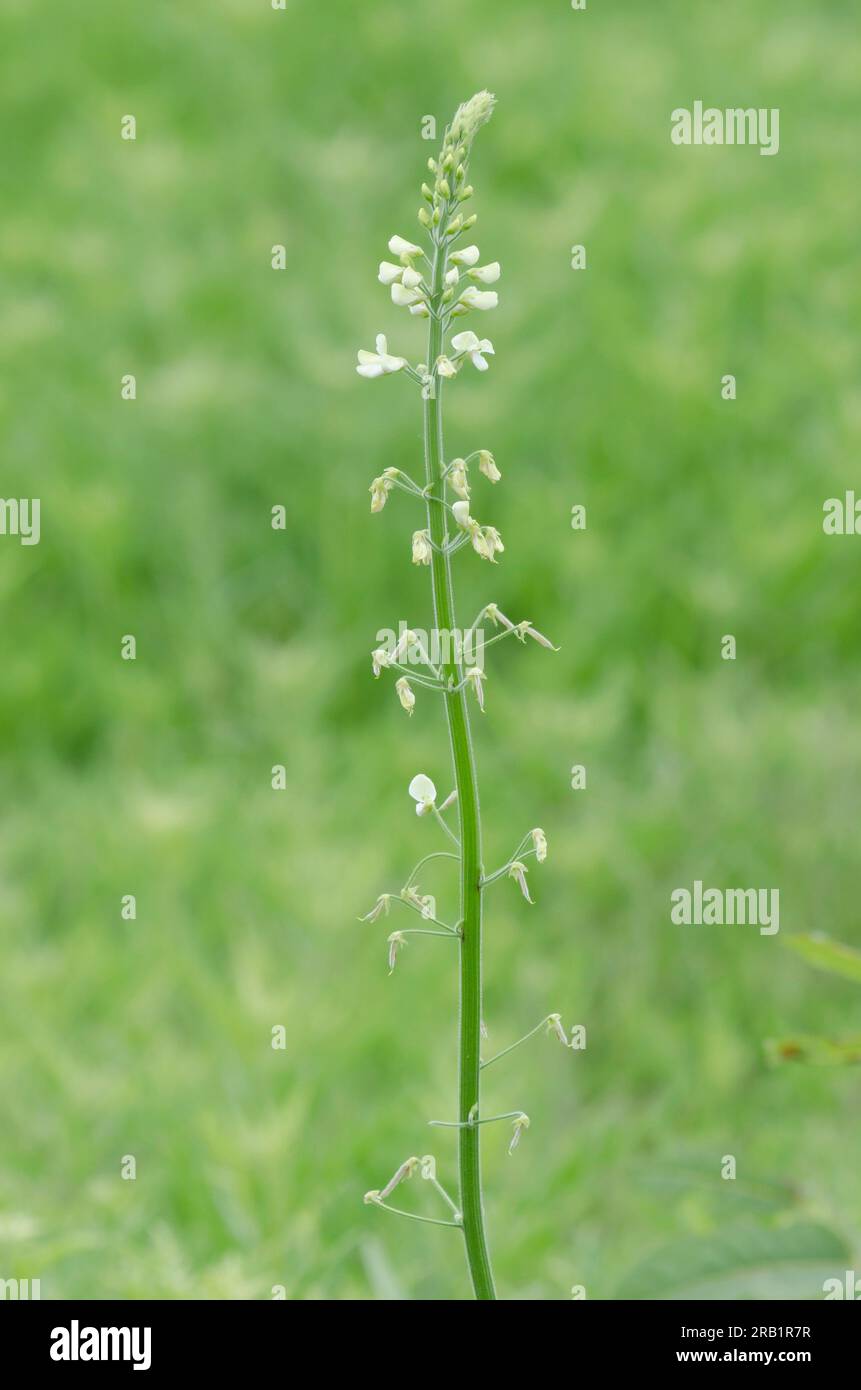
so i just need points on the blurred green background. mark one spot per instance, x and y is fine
(152, 1037)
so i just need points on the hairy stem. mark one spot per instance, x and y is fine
(469, 1160)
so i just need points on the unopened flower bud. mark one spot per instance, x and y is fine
(449, 801)
(425, 217)
(470, 222)
(454, 226)
(444, 188)
(460, 512)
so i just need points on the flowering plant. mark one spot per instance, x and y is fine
(441, 282)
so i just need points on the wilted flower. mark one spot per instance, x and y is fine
(554, 1025)
(539, 842)
(445, 368)
(474, 677)
(381, 487)
(406, 1170)
(421, 548)
(520, 1124)
(449, 801)
(380, 659)
(525, 629)
(379, 363)
(396, 941)
(487, 465)
(405, 694)
(518, 872)
(423, 793)
(458, 479)
(380, 908)
(493, 542)
(473, 347)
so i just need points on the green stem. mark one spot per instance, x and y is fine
(469, 1158)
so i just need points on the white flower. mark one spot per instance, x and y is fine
(474, 677)
(473, 346)
(458, 478)
(421, 548)
(404, 297)
(405, 694)
(460, 512)
(379, 660)
(539, 843)
(520, 1124)
(468, 255)
(474, 298)
(411, 278)
(403, 249)
(420, 310)
(452, 276)
(445, 367)
(389, 272)
(423, 793)
(518, 872)
(487, 274)
(396, 940)
(379, 363)
(487, 466)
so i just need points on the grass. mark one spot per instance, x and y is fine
(152, 1037)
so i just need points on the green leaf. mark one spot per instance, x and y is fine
(818, 1052)
(792, 1262)
(828, 955)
